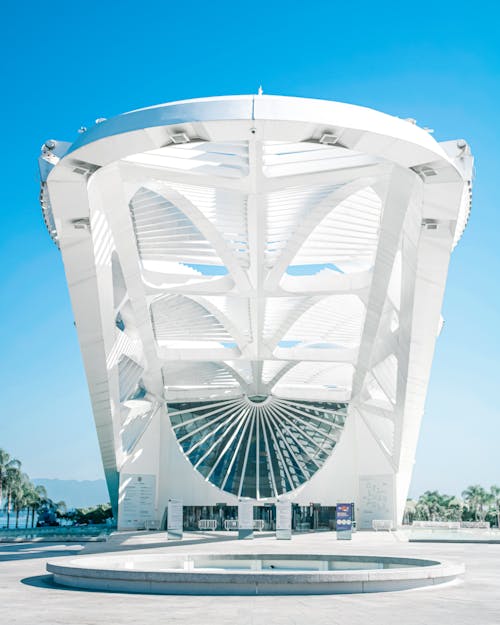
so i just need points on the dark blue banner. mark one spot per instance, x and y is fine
(344, 517)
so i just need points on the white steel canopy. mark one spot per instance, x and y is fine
(263, 266)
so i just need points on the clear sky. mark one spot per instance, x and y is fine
(64, 64)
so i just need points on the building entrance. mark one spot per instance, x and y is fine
(313, 517)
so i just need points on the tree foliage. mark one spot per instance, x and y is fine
(476, 504)
(90, 516)
(22, 501)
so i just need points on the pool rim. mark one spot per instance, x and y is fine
(417, 572)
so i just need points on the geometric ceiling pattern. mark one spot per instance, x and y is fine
(252, 281)
(251, 288)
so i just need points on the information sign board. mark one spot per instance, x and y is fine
(344, 521)
(376, 496)
(174, 519)
(245, 519)
(136, 500)
(283, 520)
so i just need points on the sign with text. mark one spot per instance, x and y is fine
(245, 519)
(136, 501)
(174, 519)
(283, 520)
(344, 521)
(376, 497)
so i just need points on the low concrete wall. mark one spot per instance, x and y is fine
(153, 575)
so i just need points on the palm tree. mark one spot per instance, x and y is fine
(34, 497)
(495, 495)
(30, 500)
(60, 509)
(454, 509)
(11, 482)
(38, 499)
(20, 492)
(433, 506)
(477, 500)
(410, 512)
(471, 497)
(486, 501)
(6, 462)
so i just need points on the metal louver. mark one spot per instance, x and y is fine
(257, 447)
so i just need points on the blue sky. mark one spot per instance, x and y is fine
(65, 64)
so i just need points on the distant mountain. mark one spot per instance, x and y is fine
(76, 493)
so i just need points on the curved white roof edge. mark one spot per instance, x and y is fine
(395, 139)
(263, 107)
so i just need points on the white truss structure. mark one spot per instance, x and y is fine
(255, 279)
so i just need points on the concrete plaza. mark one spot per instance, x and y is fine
(28, 596)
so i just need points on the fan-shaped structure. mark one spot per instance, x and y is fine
(257, 447)
(257, 284)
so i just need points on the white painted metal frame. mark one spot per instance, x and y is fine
(266, 246)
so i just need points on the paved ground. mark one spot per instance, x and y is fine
(27, 595)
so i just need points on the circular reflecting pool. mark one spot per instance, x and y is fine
(250, 574)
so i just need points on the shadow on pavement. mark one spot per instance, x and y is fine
(47, 582)
(200, 539)
(40, 581)
(30, 551)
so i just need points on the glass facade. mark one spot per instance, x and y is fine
(257, 447)
(312, 517)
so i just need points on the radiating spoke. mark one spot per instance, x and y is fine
(228, 437)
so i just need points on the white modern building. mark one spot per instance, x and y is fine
(257, 284)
